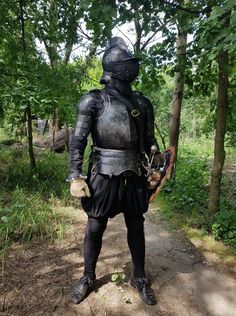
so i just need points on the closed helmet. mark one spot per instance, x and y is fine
(118, 62)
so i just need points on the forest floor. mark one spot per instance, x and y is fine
(36, 280)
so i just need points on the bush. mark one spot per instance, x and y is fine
(224, 227)
(188, 194)
(186, 198)
(26, 216)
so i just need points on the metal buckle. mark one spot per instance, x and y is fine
(135, 113)
(94, 169)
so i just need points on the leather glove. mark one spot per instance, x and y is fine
(153, 179)
(79, 188)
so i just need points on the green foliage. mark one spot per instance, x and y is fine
(99, 18)
(188, 194)
(185, 199)
(217, 33)
(197, 117)
(92, 75)
(27, 198)
(224, 226)
(47, 180)
(118, 277)
(24, 217)
(199, 149)
(36, 61)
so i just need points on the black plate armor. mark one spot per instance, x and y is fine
(115, 139)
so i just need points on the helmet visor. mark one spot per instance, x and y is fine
(126, 69)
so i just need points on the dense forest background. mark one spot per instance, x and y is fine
(50, 55)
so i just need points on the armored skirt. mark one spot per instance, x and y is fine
(111, 195)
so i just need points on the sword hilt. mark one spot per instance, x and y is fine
(153, 152)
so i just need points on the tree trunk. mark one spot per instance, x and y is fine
(67, 138)
(138, 34)
(28, 108)
(56, 126)
(45, 127)
(219, 152)
(30, 138)
(181, 42)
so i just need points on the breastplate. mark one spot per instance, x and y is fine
(114, 128)
(115, 139)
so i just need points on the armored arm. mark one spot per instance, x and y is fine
(86, 110)
(149, 134)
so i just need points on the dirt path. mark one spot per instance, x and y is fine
(36, 281)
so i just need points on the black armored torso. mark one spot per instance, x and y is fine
(116, 139)
(115, 128)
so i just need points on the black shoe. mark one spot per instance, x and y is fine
(145, 291)
(80, 289)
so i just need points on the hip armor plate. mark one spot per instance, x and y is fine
(114, 162)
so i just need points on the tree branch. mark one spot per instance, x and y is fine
(83, 32)
(161, 136)
(125, 36)
(149, 39)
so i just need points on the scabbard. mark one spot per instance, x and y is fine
(166, 172)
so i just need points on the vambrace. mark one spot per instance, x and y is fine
(77, 148)
(85, 115)
(150, 139)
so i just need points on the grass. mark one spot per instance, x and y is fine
(48, 179)
(29, 199)
(24, 217)
(208, 245)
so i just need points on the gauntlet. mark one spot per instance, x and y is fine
(79, 188)
(153, 179)
(155, 165)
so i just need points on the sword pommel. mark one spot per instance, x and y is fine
(154, 149)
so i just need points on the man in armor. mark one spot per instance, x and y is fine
(121, 124)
